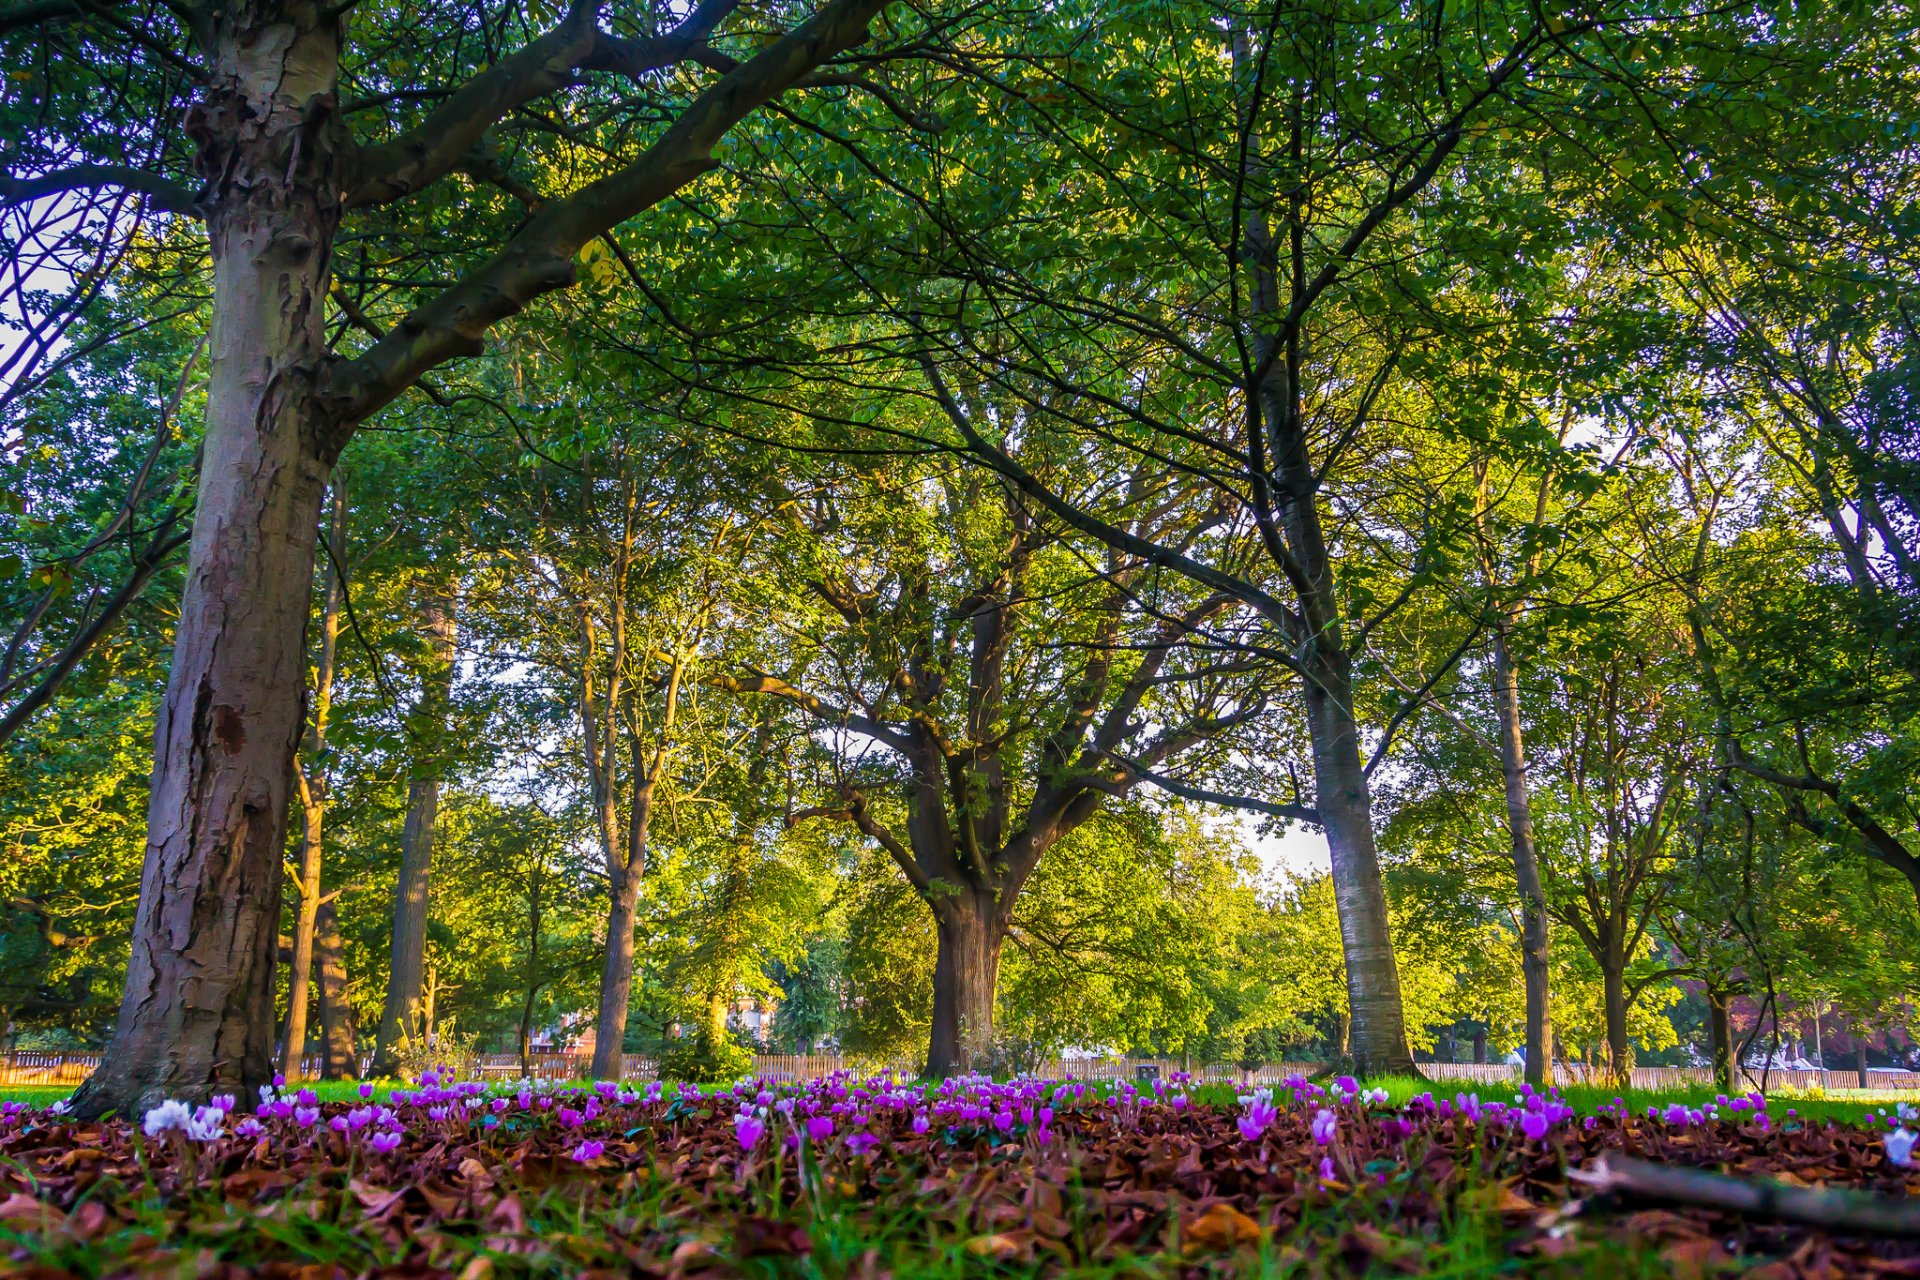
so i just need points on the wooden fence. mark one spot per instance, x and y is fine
(69, 1069)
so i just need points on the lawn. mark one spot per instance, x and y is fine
(867, 1178)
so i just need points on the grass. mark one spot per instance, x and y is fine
(1584, 1098)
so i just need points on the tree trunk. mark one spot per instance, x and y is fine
(400, 1013)
(1377, 1032)
(1619, 1045)
(616, 980)
(1720, 1038)
(966, 973)
(340, 1061)
(1526, 867)
(306, 912)
(1480, 1045)
(311, 780)
(197, 1016)
(1860, 1056)
(532, 975)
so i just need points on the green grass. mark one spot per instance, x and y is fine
(1583, 1098)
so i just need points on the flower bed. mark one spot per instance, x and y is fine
(845, 1176)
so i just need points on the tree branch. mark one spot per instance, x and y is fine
(1202, 795)
(539, 258)
(162, 192)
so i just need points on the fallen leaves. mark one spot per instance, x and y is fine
(673, 1196)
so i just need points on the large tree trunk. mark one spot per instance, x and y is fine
(197, 1014)
(1860, 1056)
(1720, 1038)
(1526, 867)
(966, 973)
(311, 779)
(1619, 1044)
(339, 1059)
(1377, 1034)
(400, 1013)
(616, 980)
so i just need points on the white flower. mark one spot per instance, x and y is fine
(61, 1107)
(1907, 1111)
(206, 1124)
(1376, 1096)
(1900, 1147)
(171, 1114)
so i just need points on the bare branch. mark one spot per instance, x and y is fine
(161, 191)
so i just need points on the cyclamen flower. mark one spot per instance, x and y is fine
(748, 1128)
(1325, 1123)
(60, 1108)
(1260, 1114)
(587, 1151)
(861, 1143)
(1326, 1169)
(384, 1141)
(206, 1124)
(1535, 1125)
(1900, 1147)
(171, 1114)
(366, 1090)
(306, 1117)
(921, 1125)
(819, 1128)
(1374, 1097)
(249, 1128)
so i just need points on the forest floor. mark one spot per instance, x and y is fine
(847, 1178)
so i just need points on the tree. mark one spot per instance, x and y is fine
(273, 91)
(1002, 690)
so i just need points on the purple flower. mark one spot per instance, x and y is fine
(249, 1128)
(748, 1128)
(1326, 1169)
(861, 1143)
(921, 1124)
(588, 1150)
(819, 1128)
(1260, 1114)
(366, 1090)
(1324, 1125)
(306, 1117)
(384, 1141)
(1535, 1125)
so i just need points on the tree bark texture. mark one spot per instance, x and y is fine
(400, 1022)
(197, 1013)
